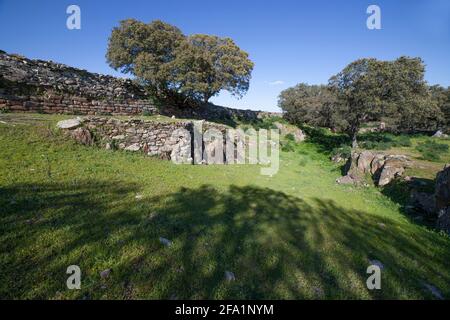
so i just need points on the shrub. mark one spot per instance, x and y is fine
(287, 146)
(432, 150)
(290, 137)
(344, 151)
(403, 141)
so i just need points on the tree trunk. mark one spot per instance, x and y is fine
(354, 141)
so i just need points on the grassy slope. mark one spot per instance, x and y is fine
(295, 235)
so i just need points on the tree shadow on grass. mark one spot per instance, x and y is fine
(400, 191)
(278, 246)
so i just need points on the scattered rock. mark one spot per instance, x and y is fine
(118, 137)
(376, 263)
(345, 180)
(434, 291)
(105, 273)
(138, 196)
(69, 124)
(229, 276)
(134, 147)
(83, 136)
(440, 134)
(165, 242)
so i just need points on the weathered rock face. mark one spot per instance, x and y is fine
(365, 161)
(442, 191)
(167, 140)
(443, 221)
(383, 168)
(442, 199)
(298, 134)
(393, 167)
(83, 136)
(424, 202)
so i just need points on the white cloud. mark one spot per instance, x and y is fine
(276, 83)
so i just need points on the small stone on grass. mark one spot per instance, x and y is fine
(229, 276)
(105, 273)
(165, 241)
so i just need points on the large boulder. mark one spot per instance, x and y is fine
(365, 161)
(394, 166)
(383, 168)
(377, 164)
(443, 221)
(442, 189)
(424, 202)
(442, 199)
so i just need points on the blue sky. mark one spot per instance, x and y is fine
(289, 41)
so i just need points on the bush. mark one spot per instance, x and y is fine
(377, 141)
(403, 141)
(344, 151)
(431, 150)
(290, 137)
(288, 146)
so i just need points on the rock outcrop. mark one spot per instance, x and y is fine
(167, 140)
(383, 168)
(297, 133)
(442, 199)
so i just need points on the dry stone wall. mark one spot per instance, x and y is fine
(167, 140)
(44, 86)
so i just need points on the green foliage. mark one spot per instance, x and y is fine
(345, 151)
(289, 137)
(384, 141)
(309, 104)
(175, 67)
(441, 98)
(146, 113)
(432, 150)
(369, 89)
(206, 64)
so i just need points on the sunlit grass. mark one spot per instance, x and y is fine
(297, 235)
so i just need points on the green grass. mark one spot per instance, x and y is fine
(297, 235)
